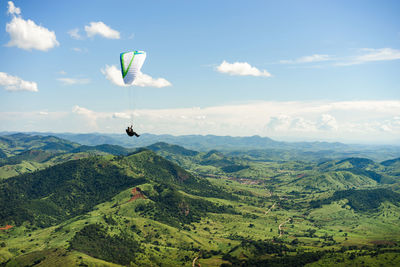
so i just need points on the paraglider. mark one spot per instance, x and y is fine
(130, 132)
(131, 63)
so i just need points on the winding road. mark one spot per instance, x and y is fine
(270, 209)
(280, 227)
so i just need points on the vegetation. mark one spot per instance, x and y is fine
(61, 192)
(94, 241)
(64, 204)
(362, 200)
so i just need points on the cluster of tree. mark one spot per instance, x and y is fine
(360, 200)
(94, 241)
(234, 168)
(300, 259)
(261, 247)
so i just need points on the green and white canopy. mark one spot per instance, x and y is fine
(131, 63)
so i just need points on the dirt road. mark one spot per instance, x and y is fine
(270, 209)
(280, 227)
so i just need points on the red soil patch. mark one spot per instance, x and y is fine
(136, 194)
(6, 227)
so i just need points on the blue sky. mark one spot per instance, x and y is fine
(290, 70)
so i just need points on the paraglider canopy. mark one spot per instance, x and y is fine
(131, 63)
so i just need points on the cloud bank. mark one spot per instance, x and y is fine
(241, 69)
(345, 121)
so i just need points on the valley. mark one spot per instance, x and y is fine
(167, 205)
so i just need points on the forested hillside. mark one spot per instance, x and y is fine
(166, 205)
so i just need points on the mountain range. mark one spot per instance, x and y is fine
(66, 203)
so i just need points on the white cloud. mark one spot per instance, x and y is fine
(81, 110)
(144, 80)
(74, 33)
(62, 72)
(279, 123)
(25, 34)
(14, 83)
(372, 55)
(327, 122)
(308, 59)
(365, 55)
(99, 28)
(113, 74)
(71, 81)
(120, 115)
(241, 69)
(90, 115)
(302, 125)
(12, 9)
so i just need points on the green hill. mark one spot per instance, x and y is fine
(360, 163)
(391, 162)
(362, 200)
(2, 154)
(17, 143)
(105, 206)
(174, 149)
(109, 149)
(349, 163)
(28, 155)
(69, 189)
(60, 192)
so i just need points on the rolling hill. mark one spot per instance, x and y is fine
(167, 205)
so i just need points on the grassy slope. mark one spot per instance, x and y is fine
(288, 185)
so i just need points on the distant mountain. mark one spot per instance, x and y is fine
(15, 143)
(316, 151)
(27, 153)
